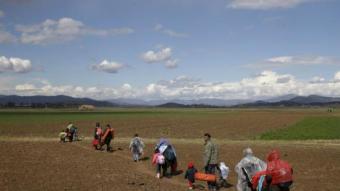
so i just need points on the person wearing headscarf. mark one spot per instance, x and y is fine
(169, 152)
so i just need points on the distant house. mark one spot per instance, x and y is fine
(86, 107)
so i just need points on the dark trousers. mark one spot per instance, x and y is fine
(172, 164)
(281, 187)
(70, 138)
(107, 142)
(161, 167)
(211, 169)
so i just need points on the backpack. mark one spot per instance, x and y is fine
(136, 144)
(169, 154)
(72, 129)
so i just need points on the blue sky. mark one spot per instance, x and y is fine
(170, 49)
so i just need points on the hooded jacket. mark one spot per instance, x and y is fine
(279, 170)
(190, 173)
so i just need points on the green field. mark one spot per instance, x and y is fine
(307, 129)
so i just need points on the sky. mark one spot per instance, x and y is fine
(170, 49)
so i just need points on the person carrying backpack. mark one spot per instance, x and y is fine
(136, 147)
(166, 149)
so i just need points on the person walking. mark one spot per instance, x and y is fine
(278, 175)
(107, 137)
(98, 133)
(159, 161)
(169, 152)
(136, 147)
(190, 175)
(247, 168)
(210, 159)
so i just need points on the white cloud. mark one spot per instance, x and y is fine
(109, 67)
(64, 29)
(162, 56)
(160, 28)
(282, 61)
(337, 76)
(16, 65)
(265, 4)
(263, 85)
(266, 84)
(2, 14)
(318, 79)
(127, 87)
(171, 63)
(25, 87)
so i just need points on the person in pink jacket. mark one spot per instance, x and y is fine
(159, 160)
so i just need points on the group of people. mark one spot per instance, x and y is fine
(253, 173)
(103, 137)
(70, 133)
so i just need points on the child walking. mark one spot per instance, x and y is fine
(62, 136)
(158, 160)
(190, 175)
(224, 172)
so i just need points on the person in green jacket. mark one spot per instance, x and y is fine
(210, 159)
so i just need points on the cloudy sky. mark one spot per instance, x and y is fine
(166, 49)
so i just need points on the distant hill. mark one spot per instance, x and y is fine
(312, 100)
(49, 101)
(207, 101)
(177, 105)
(172, 105)
(281, 98)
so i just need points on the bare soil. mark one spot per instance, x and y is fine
(49, 165)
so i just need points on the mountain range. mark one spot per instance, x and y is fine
(67, 101)
(52, 101)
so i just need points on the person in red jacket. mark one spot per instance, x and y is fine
(279, 173)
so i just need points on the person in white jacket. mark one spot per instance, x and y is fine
(250, 164)
(224, 172)
(136, 147)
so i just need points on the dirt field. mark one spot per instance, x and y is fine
(32, 159)
(48, 165)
